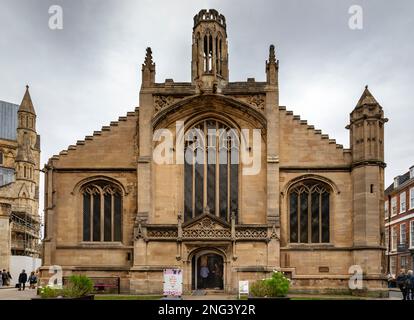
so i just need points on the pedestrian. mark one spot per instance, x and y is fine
(204, 273)
(402, 283)
(9, 276)
(32, 280)
(410, 284)
(4, 277)
(22, 280)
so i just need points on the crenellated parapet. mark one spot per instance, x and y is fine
(208, 16)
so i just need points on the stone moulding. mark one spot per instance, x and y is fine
(258, 233)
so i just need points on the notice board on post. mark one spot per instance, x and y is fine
(173, 282)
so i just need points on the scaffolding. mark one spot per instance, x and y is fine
(25, 233)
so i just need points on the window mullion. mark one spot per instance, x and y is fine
(193, 161)
(102, 223)
(298, 215)
(309, 217)
(112, 217)
(320, 217)
(228, 181)
(205, 160)
(217, 198)
(91, 217)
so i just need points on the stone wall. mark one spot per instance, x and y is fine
(5, 211)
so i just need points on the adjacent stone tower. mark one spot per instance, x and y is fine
(27, 158)
(209, 65)
(367, 144)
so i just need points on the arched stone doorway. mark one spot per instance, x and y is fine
(207, 271)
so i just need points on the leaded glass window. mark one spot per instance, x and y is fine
(309, 207)
(211, 170)
(102, 208)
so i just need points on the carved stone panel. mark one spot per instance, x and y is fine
(206, 228)
(251, 233)
(164, 101)
(257, 101)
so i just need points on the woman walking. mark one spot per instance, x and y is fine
(32, 280)
(402, 283)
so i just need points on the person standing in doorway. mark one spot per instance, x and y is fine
(22, 280)
(204, 272)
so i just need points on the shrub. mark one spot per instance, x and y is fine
(49, 292)
(258, 289)
(276, 286)
(78, 286)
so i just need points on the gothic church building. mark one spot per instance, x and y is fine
(20, 221)
(312, 210)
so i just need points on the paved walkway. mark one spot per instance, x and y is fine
(15, 294)
(210, 297)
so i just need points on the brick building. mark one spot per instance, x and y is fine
(399, 201)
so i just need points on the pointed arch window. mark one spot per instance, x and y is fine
(102, 208)
(211, 169)
(309, 211)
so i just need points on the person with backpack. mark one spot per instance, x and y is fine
(402, 283)
(32, 280)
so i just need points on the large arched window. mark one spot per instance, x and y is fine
(102, 208)
(309, 212)
(211, 170)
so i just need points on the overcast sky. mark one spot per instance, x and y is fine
(89, 73)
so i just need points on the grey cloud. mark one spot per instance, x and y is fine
(88, 74)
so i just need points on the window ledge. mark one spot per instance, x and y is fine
(309, 246)
(101, 244)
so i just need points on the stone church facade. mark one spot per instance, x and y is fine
(19, 181)
(312, 209)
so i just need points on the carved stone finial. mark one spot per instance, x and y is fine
(148, 58)
(272, 56)
(206, 209)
